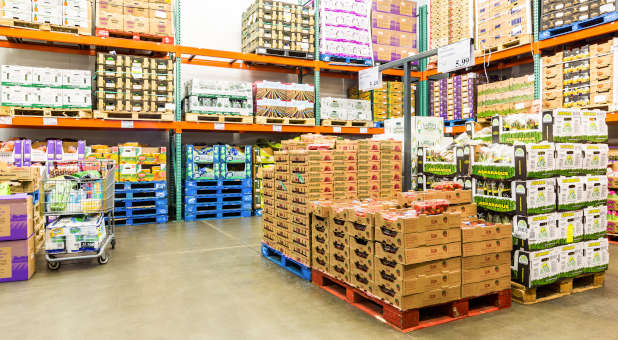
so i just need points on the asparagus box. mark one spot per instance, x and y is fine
(535, 268)
(571, 259)
(571, 224)
(536, 232)
(596, 255)
(571, 193)
(595, 222)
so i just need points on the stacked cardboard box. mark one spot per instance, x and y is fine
(450, 21)
(513, 95)
(345, 169)
(69, 13)
(218, 97)
(136, 16)
(386, 102)
(134, 84)
(502, 24)
(393, 29)
(283, 100)
(390, 169)
(453, 98)
(345, 109)
(580, 76)
(141, 163)
(350, 20)
(282, 202)
(368, 169)
(561, 13)
(17, 241)
(276, 26)
(269, 229)
(39, 87)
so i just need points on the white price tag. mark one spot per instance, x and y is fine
(170, 106)
(50, 121)
(455, 56)
(126, 124)
(369, 79)
(364, 130)
(277, 128)
(219, 126)
(448, 129)
(337, 129)
(6, 120)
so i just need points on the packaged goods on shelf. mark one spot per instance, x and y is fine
(453, 98)
(141, 163)
(513, 95)
(37, 87)
(146, 17)
(219, 97)
(217, 162)
(75, 234)
(386, 102)
(74, 13)
(345, 30)
(278, 28)
(502, 26)
(345, 109)
(393, 29)
(564, 14)
(283, 100)
(580, 77)
(450, 21)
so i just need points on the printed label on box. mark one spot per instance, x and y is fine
(6, 265)
(5, 220)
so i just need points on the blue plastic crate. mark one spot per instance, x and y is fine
(159, 202)
(153, 219)
(202, 208)
(218, 184)
(139, 195)
(134, 212)
(141, 186)
(578, 26)
(293, 266)
(217, 215)
(201, 200)
(345, 60)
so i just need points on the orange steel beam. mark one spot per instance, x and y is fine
(611, 118)
(85, 40)
(238, 66)
(256, 58)
(73, 123)
(579, 35)
(46, 48)
(193, 126)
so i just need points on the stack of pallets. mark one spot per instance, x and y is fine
(140, 203)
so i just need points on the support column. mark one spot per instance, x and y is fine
(423, 86)
(407, 129)
(176, 158)
(316, 55)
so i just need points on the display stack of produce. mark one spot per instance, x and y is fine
(63, 16)
(453, 98)
(283, 103)
(43, 91)
(217, 182)
(386, 102)
(345, 112)
(141, 183)
(612, 206)
(558, 17)
(513, 95)
(580, 76)
(278, 28)
(554, 191)
(212, 100)
(450, 21)
(135, 18)
(393, 29)
(345, 34)
(263, 157)
(134, 87)
(502, 24)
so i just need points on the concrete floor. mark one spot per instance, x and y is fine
(207, 280)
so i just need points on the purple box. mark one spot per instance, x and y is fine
(17, 261)
(15, 217)
(27, 154)
(18, 153)
(51, 149)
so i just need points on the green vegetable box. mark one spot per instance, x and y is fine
(579, 192)
(575, 125)
(503, 162)
(526, 197)
(444, 161)
(523, 128)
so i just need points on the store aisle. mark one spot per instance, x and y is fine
(207, 280)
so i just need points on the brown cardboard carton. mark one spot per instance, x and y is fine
(485, 273)
(417, 255)
(485, 232)
(413, 240)
(362, 280)
(419, 284)
(405, 272)
(424, 299)
(487, 247)
(108, 20)
(135, 12)
(485, 287)
(362, 248)
(485, 260)
(420, 223)
(364, 264)
(320, 262)
(466, 210)
(361, 231)
(160, 26)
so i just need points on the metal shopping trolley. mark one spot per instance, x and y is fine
(79, 211)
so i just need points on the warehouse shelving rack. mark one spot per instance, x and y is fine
(58, 42)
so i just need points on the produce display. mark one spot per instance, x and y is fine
(501, 161)
(453, 98)
(450, 21)
(275, 99)
(218, 97)
(513, 95)
(345, 109)
(393, 29)
(345, 30)
(386, 102)
(500, 26)
(526, 128)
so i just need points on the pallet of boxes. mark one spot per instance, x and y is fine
(23, 233)
(69, 16)
(134, 88)
(145, 20)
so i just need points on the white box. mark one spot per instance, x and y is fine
(76, 98)
(571, 224)
(14, 95)
(596, 189)
(596, 255)
(47, 97)
(76, 79)
(572, 260)
(43, 76)
(76, 21)
(14, 75)
(571, 192)
(595, 222)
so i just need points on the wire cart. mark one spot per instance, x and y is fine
(79, 192)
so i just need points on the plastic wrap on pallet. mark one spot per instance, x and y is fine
(345, 29)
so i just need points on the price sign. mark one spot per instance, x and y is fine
(277, 128)
(455, 56)
(369, 79)
(6, 120)
(363, 130)
(337, 129)
(50, 121)
(126, 124)
(219, 126)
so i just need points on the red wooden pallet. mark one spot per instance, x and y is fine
(105, 33)
(412, 319)
(612, 238)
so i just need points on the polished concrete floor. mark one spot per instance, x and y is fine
(207, 280)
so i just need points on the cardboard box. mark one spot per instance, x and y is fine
(413, 240)
(424, 299)
(419, 284)
(487, 247)
(405, 272)
(485, 260)
(486, 273)
(135, 24)
(483, 232)
(466, 210)
(160, 26)
(17, 260)
(16, 217)
(485, 287)
(420, 223)
(362, 231)
(417, 255)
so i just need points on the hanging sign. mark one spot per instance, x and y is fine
(455, 56)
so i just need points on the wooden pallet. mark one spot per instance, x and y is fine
(45, 27)
(612, 238)
(106, 33)
(413, 319)
(212, 118)
(124, 115)
(522, 39)
(285, 121)
(558, 289)
(347, 123)
(44, 112)
(280, 52)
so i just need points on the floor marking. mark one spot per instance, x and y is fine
(232, 237)
(191, 251)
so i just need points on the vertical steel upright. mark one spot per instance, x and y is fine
(316, 57)
(537, 56)
(407, 128)
(422, 87)
(177, 135)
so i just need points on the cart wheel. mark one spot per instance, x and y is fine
(113, 243)
(55, 265)
(104, 258)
